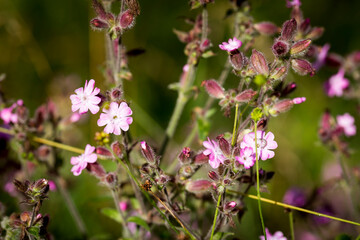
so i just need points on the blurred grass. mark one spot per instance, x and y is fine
(47, 41)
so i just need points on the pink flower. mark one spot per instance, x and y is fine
(336, 84)
(321, 57)
(52, 185)
(299, 100)
(8, 115)
(265, 143)
(215, 154)
(247, 157)
(81, 161)
(232, 45)
(85, 98)
(116, 118)
(292, 3)
(277, 236)
(123, 205)
(346, 122)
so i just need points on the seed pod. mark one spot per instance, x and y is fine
(280, 48)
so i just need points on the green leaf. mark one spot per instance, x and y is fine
(112, 213)
(139, 221)
(260, 80)
(222, 235)
(34, 231)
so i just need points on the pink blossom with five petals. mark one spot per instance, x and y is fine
(214, 152)
(85, 98)
(231, 45)
(277, 235)
(336, 85)
(82, 161)
(246, 158)
(265, 144)
(346, 122)
(115, 118)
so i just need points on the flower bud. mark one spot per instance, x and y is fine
(99, 9)
(116, 94)
(266, 28)
(289, 30)
(200, 159)
(230, 206)
(41, 186)
(281, 106)
(126, 19)
(278, 73)
(302, 67)
(198, 186)
(103, 152)
(213, 89)
(305, 26)
(237, 60)
(187, 170)
(43, 152)
(288, 89)
(213, 175)
(148, 153)
(259, 63)
(299, 100)
(25, 217)
(245, 96)
(184, 156)
(300, 47)
(224, 146)
(280, 48)
(118, 149)
(334, 60)
(111, 179)
(315, 33)
(99, 24)
(96, 169)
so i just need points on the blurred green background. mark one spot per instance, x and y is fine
(47, 49)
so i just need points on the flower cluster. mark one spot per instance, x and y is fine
(216, 157)
(9, 115)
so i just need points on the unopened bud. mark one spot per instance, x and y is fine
(96, 169)
(213, 88)
(300, 47)
(25, 217)
(259, 63)
(126, 19)
(305, 26)
(237, 60)
(41, 186)
(245, 96)
(281, 106)
(198, 186)
(289, 29)
(201, 159)
(43, 152)
(315, 33)
(145, 169)
(213, 175)
(116, 94)
(118, 149)
(148, 153)
(224, 146)
(280, 48)
(123, 205)
(288, 89)
(99, 24)
(111, 179)
(99, 9)
(302, 67)
(103, 152)
(266, 28)
(278, 73)
(334, 60)
(230, 206)
(227, 181)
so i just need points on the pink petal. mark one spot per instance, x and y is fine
(117, 130)
(76, 170)
(94, 109)
(89, 149)
(129, 120)
(89, 87)
(214, 163)
(74, 160)
(91, 158)
(109, 128)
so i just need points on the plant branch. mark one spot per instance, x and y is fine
(215, 217)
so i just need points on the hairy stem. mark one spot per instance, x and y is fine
(258, 182)
(215, 217)
(233, 140)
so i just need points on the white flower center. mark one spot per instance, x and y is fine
(261, 143)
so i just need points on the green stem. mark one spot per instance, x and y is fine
(114, 194)
(258, 182)
(71, 206)
(233, 141)
(215, 217)
(291, 223)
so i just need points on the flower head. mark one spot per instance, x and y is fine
(8, 115)
(247, 157)
(85, 98)
(346, 122)
(265, 143)
(231, 45)
(277, 235)
(214, 152)
(321, 57)
(292, 3)
(116, 118)
(336, 84)
(81, 161)
(295, 196)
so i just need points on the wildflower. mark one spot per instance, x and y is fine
(116, 118)
(8, 115)
(247, 157)
(292, 3)
(231, 45)
(123, 205)
(85, 98)
(295, 196)
(346, 122)
(265, 143)
(336, 84)
(277, 235)
(215, 154)
(81, 161)
(52, 185)
(321, 57)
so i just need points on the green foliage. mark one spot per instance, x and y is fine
(139, 221)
